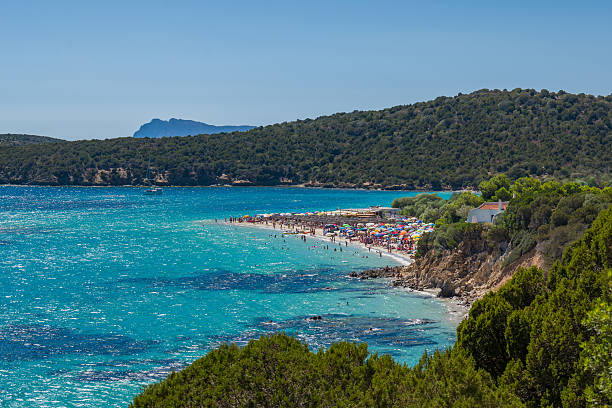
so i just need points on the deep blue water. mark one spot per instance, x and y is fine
(103, 290)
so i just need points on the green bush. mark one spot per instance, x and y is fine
(280, 371)
(431, 208)
(499, 183)
(596, 357)
(448, 236)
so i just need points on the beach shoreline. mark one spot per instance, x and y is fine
(456, 308)
(403, 260)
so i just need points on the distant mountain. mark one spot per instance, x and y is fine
(180, 127)
(12, 139)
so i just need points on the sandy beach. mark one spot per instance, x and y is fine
(318, 234)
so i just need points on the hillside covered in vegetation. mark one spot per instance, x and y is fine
(543, 340)
(468, 260)
(545, 217)
(450, 142)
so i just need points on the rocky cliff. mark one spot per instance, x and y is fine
(468, 271)
(476, 266)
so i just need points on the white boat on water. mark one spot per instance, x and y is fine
(151, 190)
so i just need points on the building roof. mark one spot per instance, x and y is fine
(494, 205)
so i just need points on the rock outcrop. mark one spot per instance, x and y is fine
(475, 267)
(386, 272)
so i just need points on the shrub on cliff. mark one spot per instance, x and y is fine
(448, 236)
(431, 208)
(417, 206)
(549, 216)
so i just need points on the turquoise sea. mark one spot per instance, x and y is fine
(104, 290)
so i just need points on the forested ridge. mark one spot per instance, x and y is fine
(450, 142)
(543, 340)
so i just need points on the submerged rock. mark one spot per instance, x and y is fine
(386, 272)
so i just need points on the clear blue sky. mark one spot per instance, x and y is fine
(84, 69)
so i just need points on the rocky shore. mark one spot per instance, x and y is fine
(405, 277)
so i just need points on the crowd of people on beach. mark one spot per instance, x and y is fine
(399, 235)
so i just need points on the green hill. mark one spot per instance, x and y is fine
(450, 142)
(12, 139)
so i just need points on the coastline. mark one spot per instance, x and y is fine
(456, 308)
(304, 186)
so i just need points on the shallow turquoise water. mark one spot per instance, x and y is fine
(103, 290)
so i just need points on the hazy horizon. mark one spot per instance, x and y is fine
(131, 134)
(81, 71)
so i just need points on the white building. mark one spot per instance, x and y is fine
(487, 212)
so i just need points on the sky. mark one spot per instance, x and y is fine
(83, 70)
